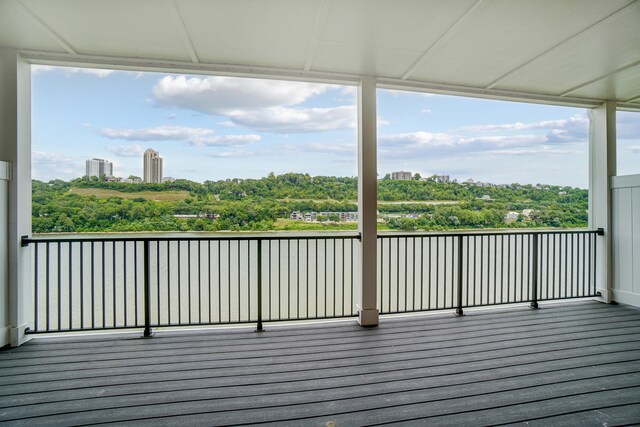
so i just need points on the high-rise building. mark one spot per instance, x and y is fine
(98, 167)
(152, 166)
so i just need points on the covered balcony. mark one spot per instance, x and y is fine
(148, 300)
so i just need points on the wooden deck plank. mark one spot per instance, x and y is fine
(486, 365)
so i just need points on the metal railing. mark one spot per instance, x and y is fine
(90, 283)
(456, 270)
(147, 282)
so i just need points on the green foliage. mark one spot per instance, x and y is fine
(258, 204)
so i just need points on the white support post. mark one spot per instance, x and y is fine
(368, 314)
(602, 167)
(15, 150)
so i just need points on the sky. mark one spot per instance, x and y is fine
(212, 128)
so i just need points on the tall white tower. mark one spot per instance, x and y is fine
(99, 168)
(152, 166)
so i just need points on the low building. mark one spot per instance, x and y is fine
(402, 175)
(443, 179)
(511, 217)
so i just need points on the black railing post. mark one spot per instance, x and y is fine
(459, 311)
(534, 271)
(259, 327)
(147, 293)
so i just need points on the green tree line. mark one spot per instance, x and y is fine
(257, 204)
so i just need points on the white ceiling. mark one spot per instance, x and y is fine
(570, 49)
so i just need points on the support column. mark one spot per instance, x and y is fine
(367, 200)
(602, 166)
(15, 149)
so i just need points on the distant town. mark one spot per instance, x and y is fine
(152, 173)
(293, 201)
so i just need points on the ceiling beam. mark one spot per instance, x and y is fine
(48, 30)
(181, 28)
(321, 18)
(497, 81)
(475, 92)
(441, 40)
(605, 76)
(138, 64)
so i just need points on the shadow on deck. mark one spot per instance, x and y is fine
(565, 364)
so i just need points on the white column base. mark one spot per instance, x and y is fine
(368, 317)
(17, 336)
(606, 295)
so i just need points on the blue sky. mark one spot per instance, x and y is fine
(210, 128)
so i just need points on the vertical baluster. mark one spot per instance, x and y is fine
(93, 292)
(444, 268)
(380, 294)
(199, 243)
(189, 296)
(113, 283)
(422, 273)
(147, 293)
(36, 287)
(437, 271)
(469, 265)
(168, 282)
(259, 327)
(459, 311)
(334, 278)
(124, 281)
(70, 255)
(534, 270)
(413, 291)
(59, 287)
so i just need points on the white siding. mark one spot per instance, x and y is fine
(626, 237)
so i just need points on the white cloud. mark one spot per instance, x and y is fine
(265, 105)
(580, 120)
(416, 144)
(47, 166)
(159, 133)
(126, 150)
(227, 140)
(297, 120)
(224, 95)
(345, 150)
(574, 129)
(193, 136)
(635, 149)
(232, 154)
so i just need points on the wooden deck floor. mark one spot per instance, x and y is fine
(573, 364)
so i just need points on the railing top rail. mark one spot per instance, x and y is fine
(465, 233)
(293, 236)
(149, 238)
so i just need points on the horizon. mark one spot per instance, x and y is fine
(217, 128)
(381, 177)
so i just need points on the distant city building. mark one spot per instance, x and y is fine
(152, 166)
(168, 179)
(444, 179)
(98, 167)
(402, 175)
